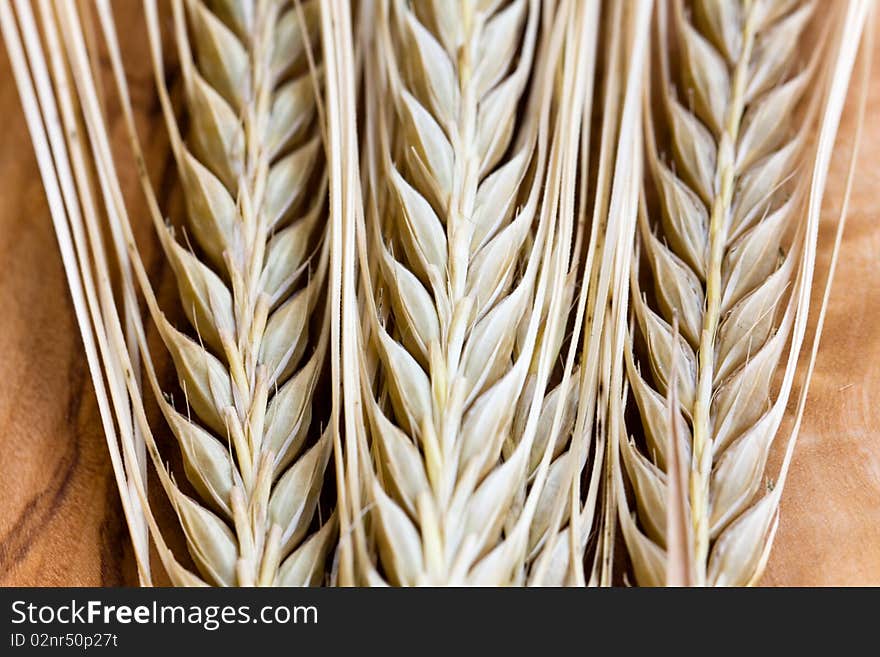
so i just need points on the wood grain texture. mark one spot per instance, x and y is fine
(60, 519)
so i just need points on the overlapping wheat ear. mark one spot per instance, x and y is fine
(446, 292)
(730, 251)
(251, 173)
(259, 217)
(471, 220)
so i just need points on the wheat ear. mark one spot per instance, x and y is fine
(727, 209)
(446, 361)
(249, 175)
(252, 374)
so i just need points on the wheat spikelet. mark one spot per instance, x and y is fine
(723, 252)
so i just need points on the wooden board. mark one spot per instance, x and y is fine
(60, 519)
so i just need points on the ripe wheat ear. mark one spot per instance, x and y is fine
(725, 210)
(464, 275)
(251, 171)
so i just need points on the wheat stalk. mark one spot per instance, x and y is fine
(560, 553)
(63, 162)
(726, 208)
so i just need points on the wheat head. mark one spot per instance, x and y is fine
(252, 178)
(463, 274)
(722, 245)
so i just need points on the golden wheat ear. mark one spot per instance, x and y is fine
(252, 286)
(727, 231)
(468, 452)
(462, 274)
(250, 168)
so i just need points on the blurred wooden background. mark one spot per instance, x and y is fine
(60, 519)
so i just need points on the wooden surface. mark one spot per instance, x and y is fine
(60, 519)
